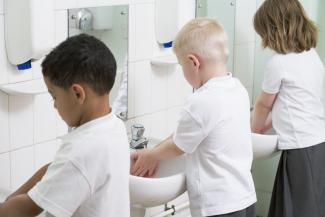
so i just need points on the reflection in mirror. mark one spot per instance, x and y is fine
(224, 12)
(110, 25)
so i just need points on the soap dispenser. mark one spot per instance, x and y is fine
(170, 16)
(29, 30)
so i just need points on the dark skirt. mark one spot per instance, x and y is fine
(299, 188)
(248, 212)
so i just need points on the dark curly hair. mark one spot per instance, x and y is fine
(81, 59)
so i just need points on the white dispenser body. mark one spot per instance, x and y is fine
(29, 29)
(171, 15)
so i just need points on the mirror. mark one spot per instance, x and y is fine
(224, 12)
(110, 25)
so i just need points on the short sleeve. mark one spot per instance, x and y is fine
(189, 132)
(273, 77)
(62, 190)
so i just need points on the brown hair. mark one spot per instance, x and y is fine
(285, 27)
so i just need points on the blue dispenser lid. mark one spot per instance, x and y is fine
(168, 44)
(26, 65)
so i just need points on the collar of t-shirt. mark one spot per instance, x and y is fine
(215, 80)
(91, 124)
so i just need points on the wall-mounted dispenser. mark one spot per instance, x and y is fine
(171, 15)
(29, 30)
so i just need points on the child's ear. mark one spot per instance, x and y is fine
(194, 60)
(79, 92)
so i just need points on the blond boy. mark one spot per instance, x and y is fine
(213, 130)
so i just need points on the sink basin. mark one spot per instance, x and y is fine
(264, 146)
(167, 184)
(169, 181)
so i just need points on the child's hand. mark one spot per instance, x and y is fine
(144, 163)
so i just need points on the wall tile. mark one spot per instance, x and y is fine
(159, 125)
(4, 123)
(244, 29)
(5, 171)
(172, 119)
(244, 63)
(61, 26)
(64, 4)
(141, 31)
(142, 87)
(141, 1)
(22, 166)
(3, 57)
(158, 88)
(98, 3)
(177, 87)
(45, 123)
(21, 121)
(37, 69)
(44, 153)
(15, 75)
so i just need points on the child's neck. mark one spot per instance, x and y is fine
(99, 107)
(213, 71)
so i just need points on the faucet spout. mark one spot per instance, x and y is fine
(138, 141)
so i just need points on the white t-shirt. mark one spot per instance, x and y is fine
(298, 111)
(89, 176)
(214, 132)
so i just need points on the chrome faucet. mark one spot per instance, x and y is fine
(137, 139)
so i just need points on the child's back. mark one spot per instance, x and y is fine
(218, 171)
(297, 78)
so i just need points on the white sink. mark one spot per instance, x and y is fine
(166, 185)
(169, 181)
(264, 146)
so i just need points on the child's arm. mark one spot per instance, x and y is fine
(262, 109)
(30, 183)
(147, 160)
(19, 206)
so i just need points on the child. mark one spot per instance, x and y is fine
(89, 175)
(213, 130)
(292, 90)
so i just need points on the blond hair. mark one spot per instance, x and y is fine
(203, 37)
(284, 27)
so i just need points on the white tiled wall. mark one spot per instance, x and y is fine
(21, 121)
(29, 125)
(4, 123)
(22, 166)
(5, 170)
(28, 128)
(3, 66)
(245, 43)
